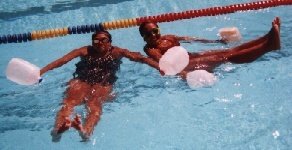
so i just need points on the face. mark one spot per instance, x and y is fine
(151, 33)
(101, 43)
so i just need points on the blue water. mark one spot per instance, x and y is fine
(248, 108)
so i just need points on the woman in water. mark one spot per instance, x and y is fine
(92, 83)
(157, 45)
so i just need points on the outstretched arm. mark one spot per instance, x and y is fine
(153, 53)
(138, 57)
(185, 39)
(61, 61)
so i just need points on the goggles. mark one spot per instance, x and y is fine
(102, 40)
(153, 31)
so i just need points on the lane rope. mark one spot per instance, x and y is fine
(126, 23)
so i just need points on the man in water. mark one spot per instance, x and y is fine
(157, 45)
(92, 83)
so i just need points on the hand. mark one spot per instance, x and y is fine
(65, 126)
(189, 39)
(76, 123)
(183, 74)
(223, 41)
(161, 72)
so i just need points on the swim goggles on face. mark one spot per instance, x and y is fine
(102, 40)
(154, 31)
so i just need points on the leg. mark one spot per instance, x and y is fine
(244, 53)
(99, 95)
(72, 99)
(252, 50)
(268, 42)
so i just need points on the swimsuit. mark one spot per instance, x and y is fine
(93, 70)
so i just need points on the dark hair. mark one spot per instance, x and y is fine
(102, 32)
(142, 26)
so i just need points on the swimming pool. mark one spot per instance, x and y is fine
(248, 108)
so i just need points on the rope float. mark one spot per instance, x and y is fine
(126, 23)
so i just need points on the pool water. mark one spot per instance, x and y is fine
(249, 107)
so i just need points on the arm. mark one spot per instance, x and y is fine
(61, 61)
(138, 57)
(153, 53)
(185, 39)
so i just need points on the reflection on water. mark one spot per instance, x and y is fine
(54, 8)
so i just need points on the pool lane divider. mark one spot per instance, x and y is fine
(126, 23)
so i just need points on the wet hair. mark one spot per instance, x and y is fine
(102, 32)
(143, 25)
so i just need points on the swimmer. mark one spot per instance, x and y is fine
(92, 84)
(157, 45)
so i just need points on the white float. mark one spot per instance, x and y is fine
(174, 60)
(22, 72)
(200, 78)
(230, 34)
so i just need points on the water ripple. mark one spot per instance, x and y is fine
(58, 7)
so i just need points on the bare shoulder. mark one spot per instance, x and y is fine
(82, 50)
(117, 51)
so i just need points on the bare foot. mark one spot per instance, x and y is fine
(57, 132)
(276, 43)
(65, 126)
(85, 137)
(76, 123)
(277, 21)
(55, 136)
